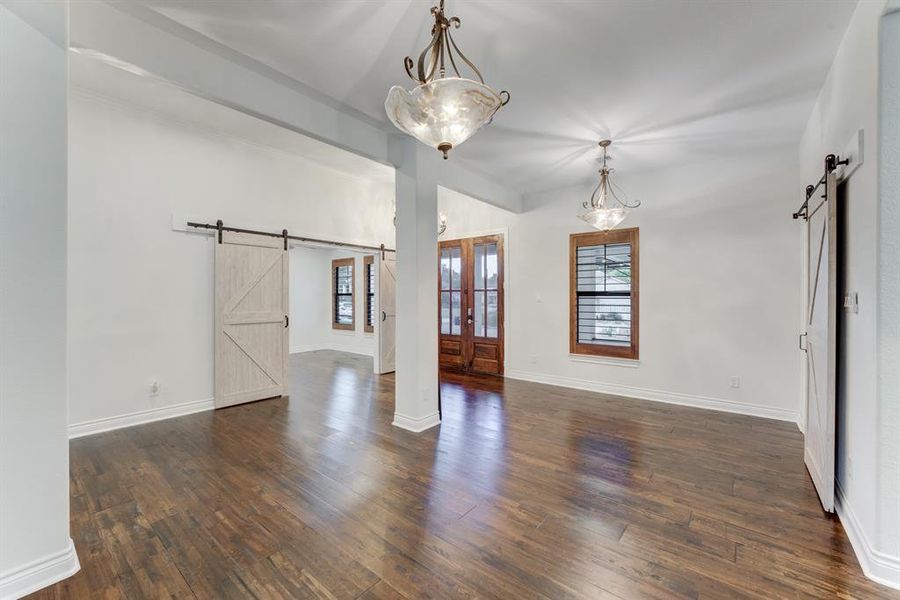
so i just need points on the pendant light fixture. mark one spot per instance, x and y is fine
(606, 209)
(442, 111)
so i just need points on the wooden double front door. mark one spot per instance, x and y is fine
(470, 297)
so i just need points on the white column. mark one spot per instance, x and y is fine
(888, 291)
(35, 548)
(416, 400)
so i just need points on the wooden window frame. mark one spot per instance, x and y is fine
(343, 262)
(368, 268)
(615, 236)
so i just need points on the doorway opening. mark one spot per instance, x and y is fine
(342, 300)
(471, 302)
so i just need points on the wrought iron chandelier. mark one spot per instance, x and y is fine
(442, 111)
(606, 208)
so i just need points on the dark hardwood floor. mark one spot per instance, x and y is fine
(524, 491)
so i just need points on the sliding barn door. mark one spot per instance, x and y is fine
(821, 332)
(387, 314)
(251, 318)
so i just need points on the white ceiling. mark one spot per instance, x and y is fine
(669, 82)
(161, 97)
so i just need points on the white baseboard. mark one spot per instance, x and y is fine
(306, 348)
(77, 430)
(352, 350)
(36, 575)
(416, 425)
(877, 566)
(334, 347)
(742, 408)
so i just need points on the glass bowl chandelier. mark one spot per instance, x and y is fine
(442, 111)
(605, 208)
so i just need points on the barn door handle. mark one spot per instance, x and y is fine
(287, 321)
(800, 341)
(383, 316)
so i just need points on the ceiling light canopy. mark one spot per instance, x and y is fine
(442, 111)
(605, 208)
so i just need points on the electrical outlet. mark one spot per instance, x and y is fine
(154, 389)
(532, 359)
(735, 382)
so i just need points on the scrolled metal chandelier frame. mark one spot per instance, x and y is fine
(605, 208)
(446, 107)
(441, 49)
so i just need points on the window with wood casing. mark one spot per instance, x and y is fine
(369, 273)
(603, 293)
(342, 287)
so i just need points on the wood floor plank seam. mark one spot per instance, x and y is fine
(524, 491)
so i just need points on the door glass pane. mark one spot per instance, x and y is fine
(479, 267)
(454, 312)
(445, 269)
(491, 266)
(479, 314)
(492, 312)
(456, 266)
(445, 312)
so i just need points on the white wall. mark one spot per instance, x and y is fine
(467, 216)
(719, 286)
(848, 102)
(139, 289)
(35, 548)
(311, 303)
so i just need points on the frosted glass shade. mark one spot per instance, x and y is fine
(442, 113)
(604, 219)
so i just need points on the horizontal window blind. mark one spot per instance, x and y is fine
(603, 293)
(370, 294)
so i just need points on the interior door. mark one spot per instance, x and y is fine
(821, 348)
(472, 304)
(251, 303)
(386, 328)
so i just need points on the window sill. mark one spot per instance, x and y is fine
(605, 360)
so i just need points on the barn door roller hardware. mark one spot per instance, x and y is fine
(219, 227)
(832, 161)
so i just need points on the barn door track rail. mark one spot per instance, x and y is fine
(219, 227)
(832, 162)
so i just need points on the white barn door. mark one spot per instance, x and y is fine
(251, 318)
(821, 334)
(386, 327)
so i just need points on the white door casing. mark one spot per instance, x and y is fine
(251, 304)
(386, 323)
(821, 340)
